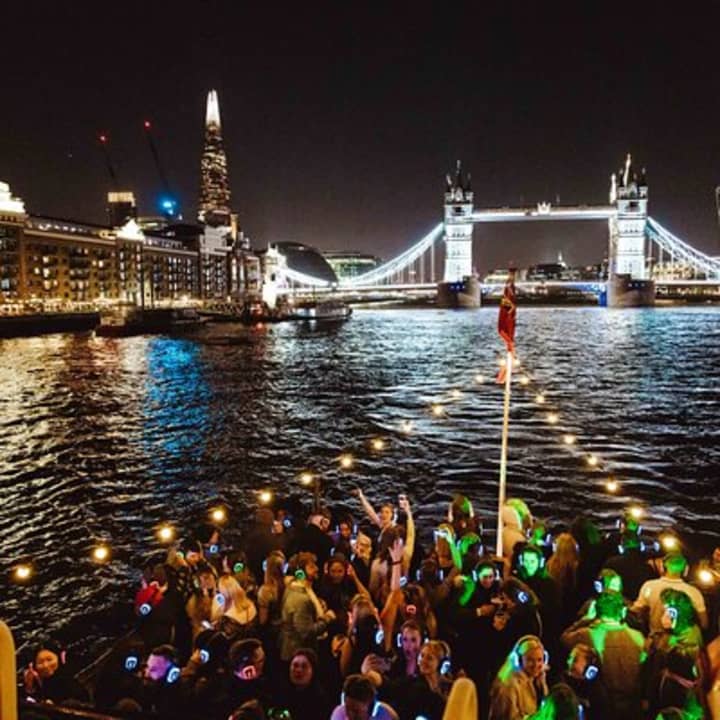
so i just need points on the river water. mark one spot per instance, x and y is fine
(103, 438)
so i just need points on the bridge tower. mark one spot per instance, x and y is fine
(628, 283)
(460, 287)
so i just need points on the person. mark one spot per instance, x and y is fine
(359, 702)
(246, 678)
(560, 704)
(516, 520)
(648, 600)
(515, 616)
(233, 613)
(204, 675)
(314, 537)
(425, 694)
(361, 558)
(260, 540)
(631, 564)
(199, 607)
(303, 694)
(520, 684)
(383, 520)
(562, 568)
(118, 677)
(677, 684)
(269, 601)
(338, 586)
(621, 650)
(304, 618)
(161, 693)
(49, 678)
(462, 703)
(583, 675)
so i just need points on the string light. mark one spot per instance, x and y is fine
(592, 460)
(540, 399)
(378, 444)
(437, 410)
(306, 478)
(22, 572)
(265, 497)
(706, 577)
(612, 485)
(569, 439)
(218, 515)
(455, 394)
(524, 380)
(516, 363)
(669, 542)
(552, 418)
(479, 379)
(406, 427)
(636, 512)
(346, 461)
(166, 533)
(101, 553)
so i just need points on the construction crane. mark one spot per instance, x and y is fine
(121, 203)
(104, 141)
(168, 202)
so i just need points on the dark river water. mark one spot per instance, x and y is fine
(104, 438)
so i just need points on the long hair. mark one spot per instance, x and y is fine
(562, 566)
(233, 595)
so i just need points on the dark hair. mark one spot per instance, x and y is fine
(359, 687)
(564, 702)
(216, 643)
(308, 653)
(242, 652)
(167, 651)
(610, 604)
(683, 605)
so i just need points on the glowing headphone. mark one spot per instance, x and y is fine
(220, 599)
(131, 662)
(213, 549)
(375, 704)
(300, 574)
(204, 655)
(672, 614)
(172, 675)
(239, 566)
(591, 672)
(445, 667)
(519, 650)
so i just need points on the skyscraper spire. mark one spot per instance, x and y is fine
(214, 205)
(212, 115)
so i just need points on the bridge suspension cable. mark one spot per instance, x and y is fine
(679, 249)
(397, 264)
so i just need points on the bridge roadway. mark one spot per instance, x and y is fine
(545, 211)
(594, 287)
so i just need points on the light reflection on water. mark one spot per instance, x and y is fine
(102, 438)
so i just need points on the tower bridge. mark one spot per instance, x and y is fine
(636, 244)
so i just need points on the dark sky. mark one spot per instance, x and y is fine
(340, 122)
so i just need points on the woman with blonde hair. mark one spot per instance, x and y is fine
(233, 612)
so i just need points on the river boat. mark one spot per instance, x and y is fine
(152, 321)
(332, 310)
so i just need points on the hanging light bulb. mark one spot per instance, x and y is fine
(22, 572)
(455, 394)
(306, 478)
(378, 444)
(524, 380)
(166, 533)
(592, 460)
(406, 427)
(612, 485)
(437, 410)
(101, 553)
(265, 497)
(346, 461)
(218, 515)
(540, 399)
(479, 379)
(553, 418)
(569, 439)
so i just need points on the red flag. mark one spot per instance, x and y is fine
(506, 319)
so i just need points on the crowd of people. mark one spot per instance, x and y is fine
(355, 618)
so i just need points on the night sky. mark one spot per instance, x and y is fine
(340, 123)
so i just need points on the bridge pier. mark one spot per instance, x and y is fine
(460, 287)
(628, 283)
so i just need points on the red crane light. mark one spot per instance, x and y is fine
(102, 138)
(147, 125)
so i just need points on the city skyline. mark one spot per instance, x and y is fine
(339, 127)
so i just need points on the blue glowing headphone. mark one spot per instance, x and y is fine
(173, 674)
(672, 614)
(131, 662)
(591, 671)
(519, 650)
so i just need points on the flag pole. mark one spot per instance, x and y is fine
(503, 450)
